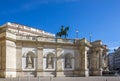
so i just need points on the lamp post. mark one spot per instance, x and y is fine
(77, 34)
(90, 35)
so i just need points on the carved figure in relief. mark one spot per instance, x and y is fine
(29, 61)
(50, 61)
(68, 62)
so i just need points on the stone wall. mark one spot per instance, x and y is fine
(10, 59)
(43, 58)
(2, 58)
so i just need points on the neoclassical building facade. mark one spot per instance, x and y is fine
(26, 51)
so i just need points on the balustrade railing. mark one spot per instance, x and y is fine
(45, 39)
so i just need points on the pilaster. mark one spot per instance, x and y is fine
(96, 68)
(2, 59)
(59, 59)
(10, 59)
(100, 61)
(84, 71)
(39, 67)
(19, 58)
(77, 63)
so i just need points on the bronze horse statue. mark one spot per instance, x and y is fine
(63, 32)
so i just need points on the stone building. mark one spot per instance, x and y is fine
(26, 51)
(111, 61)
(116, 59)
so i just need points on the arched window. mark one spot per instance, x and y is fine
(30, 60)
(50, 61)
(68, 61)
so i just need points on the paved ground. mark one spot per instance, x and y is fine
(64, 79)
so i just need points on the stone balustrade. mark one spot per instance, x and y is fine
(45, 39)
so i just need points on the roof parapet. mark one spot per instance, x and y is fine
(23, 27)
(97, 42)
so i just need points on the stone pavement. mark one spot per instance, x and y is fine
(64, 79)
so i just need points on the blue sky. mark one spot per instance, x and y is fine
(101, 18)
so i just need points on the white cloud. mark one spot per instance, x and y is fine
(112, 48)
(32, 5)
(25, 7)
(113, 45)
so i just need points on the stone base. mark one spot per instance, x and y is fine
(46, 74)
(84, 73)
(53, 74)
(65, 74)
(2, 74)
(10, 74)
(26, 74)
(95, 73)
(76, 74)
(57, 74)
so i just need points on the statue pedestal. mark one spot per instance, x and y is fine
(50, 67)
(29, 66)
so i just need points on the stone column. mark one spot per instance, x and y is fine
(39, 65)
(100, 62)
(19, 59)
(105, 60)
(3, 48)
(59, 60)
(84, 62)
(77, 61)
(94, 60)
(97, 62)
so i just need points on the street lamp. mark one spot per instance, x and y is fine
(77, 34)
(90, 35)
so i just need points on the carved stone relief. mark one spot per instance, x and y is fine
(68, 63)
(50, 61)
(28, 58)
